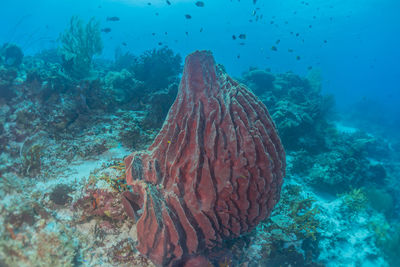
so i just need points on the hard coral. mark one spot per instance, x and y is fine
(214, 171)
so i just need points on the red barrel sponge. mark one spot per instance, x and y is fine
(214, 171)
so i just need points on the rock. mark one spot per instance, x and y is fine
(214, 171)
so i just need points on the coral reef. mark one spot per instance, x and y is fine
(7, 77)
(160, 103)
(62, 176)
(355, 200)
(125, 88)
(297, 107)
(123, 60)
(11, 55)
(158, 68)
(388, 239)
(294, 224)
(79, 44)
(258, 80)
(213, 172)
(343, 165)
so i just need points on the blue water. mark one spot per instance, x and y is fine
(359, 59)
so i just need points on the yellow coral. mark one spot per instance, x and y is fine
(305, 224)
(118, 183)
(355, 200)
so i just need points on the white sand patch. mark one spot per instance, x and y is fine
(79, 171)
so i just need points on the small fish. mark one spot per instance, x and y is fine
(106, 30)
(290, 50)
(233, 37)
(310, 26)
(157, 14)
(254, 2)
(112, 19)
(168, 2)
(309, 67)
(238, 56)
(297, 57)
(187, 16)
(124, 44)
(201, 29)
(297, 34)
(273, 48)
(153, 33)
(325, 41)
(200, 4)
(149, 4)
(159, 43)
(277, 41)
(242, 36)
(271, 22)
